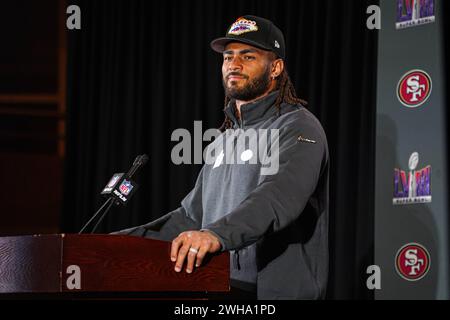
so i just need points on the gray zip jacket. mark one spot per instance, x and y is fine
(274, 222)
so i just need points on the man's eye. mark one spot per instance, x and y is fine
(249, 57)
(228, 58)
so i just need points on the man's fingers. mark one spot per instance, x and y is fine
(194, 245)
(179, 249)
(176, 243)
(201, 255)
(182, 253)
(193, 251)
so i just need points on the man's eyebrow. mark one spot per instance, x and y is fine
(241, 52)
(248, 51)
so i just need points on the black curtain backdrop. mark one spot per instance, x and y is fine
(137, 70)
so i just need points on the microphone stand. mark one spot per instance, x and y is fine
(103, 215)
(110, 201)
(137, 164)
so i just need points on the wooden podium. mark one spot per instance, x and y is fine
(103, 266)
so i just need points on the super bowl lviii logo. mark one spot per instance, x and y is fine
(412, 261)
(414, 88)
(243, 25)
(413, 186)
(412, 13)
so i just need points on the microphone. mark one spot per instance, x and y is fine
(137, 164)
(119, 190)
(120, 186)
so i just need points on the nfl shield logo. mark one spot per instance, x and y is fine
(126, 187)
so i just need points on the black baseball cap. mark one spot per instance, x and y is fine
(255, 31)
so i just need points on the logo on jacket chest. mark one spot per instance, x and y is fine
(246, 147)
(219, 160)
(234, 146)
(245, 156)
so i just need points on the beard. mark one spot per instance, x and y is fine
(254, 89)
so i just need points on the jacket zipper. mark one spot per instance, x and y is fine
(236, 263)
(241, 121)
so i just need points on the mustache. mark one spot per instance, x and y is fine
(234, 73)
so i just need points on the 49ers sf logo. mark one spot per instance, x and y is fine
(414, 88)
(412, 262)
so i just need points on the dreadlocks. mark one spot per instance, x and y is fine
(286, 94)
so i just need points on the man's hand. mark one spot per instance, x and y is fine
(195, 245)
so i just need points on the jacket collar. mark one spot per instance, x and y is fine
(253, 112)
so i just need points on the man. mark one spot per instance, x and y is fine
(276, 223)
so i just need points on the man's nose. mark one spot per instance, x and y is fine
(235, 64)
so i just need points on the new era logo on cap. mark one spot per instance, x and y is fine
(276, 44)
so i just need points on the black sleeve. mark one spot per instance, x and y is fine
(279, 199)
(187, 217)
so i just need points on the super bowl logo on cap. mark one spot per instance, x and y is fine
(243, 25)
(414, 88)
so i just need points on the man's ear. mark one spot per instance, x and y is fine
(277, 68)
